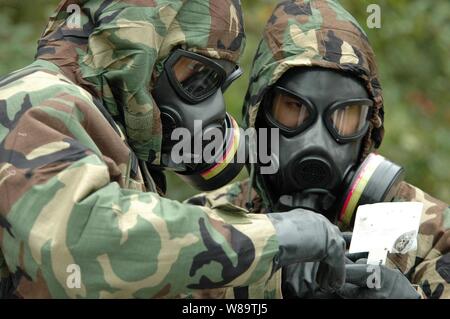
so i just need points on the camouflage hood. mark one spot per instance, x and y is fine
(116, 50)
(313, 33)
(318, 33)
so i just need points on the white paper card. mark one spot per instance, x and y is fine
(386, 227)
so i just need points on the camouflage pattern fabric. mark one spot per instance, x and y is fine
(70, 196)
(429, 265)
(322, 33)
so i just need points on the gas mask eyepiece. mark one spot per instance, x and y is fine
(195, 77)
(345, 120)
(189, 94)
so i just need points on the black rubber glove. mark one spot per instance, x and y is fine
(299, 282)
(361, 283)
(304, 236)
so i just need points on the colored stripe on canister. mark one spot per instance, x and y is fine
(357, 188)
(229, 155)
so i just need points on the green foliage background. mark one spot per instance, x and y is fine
(413, 51)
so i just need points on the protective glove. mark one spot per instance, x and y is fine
(304, 236)
(362, 281)
(299, 281)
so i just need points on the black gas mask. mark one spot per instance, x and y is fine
(189, 94)
(323, 117)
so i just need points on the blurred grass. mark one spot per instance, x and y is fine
(412, 49)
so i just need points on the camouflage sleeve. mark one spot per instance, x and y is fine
(62, 209)
(233, 197)
(429, 265)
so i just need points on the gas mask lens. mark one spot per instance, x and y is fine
(197, 77)
(349, 119)
(288, 111)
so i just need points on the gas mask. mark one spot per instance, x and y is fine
(189, 94)
(323, 117)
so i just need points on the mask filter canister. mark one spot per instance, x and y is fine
(376, 180)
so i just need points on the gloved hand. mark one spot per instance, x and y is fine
(362, 281)
(299, 282)
(304, 236)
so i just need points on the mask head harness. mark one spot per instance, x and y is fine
(323, 117)
(189, 94)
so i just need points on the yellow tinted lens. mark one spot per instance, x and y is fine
(289, 111)
(349, 120)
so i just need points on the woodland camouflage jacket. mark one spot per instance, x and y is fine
(71, 194)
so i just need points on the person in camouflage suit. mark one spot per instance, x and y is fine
(79, 217)
(322, 34)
